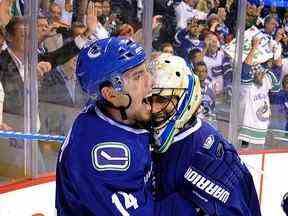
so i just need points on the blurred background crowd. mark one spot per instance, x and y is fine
(201, 31)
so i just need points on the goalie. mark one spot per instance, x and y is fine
(192, 158)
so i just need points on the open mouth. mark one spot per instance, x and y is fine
(147, 101)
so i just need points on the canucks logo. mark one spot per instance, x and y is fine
(94, 51)
(111, 156)
(208, 142)
(263, 113)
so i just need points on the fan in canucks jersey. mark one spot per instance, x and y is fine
(192, 158)
(254, 104)
(104, 165)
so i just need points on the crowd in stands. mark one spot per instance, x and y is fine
(200, 32)
(197, 30)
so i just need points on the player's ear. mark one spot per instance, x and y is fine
(116, 98)
(108, 93)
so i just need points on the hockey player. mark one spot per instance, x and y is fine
(192, 158)
(104, 165)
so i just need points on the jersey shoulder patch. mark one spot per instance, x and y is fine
(208, 142)
(113, 156)
(212, 142)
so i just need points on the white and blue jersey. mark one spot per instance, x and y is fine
(104, 168)
(220, 70)
(208, 103)
(205, 170)
(254, 104)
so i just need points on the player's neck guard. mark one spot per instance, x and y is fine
(164, 137)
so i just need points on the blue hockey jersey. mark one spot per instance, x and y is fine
(279, 108)
(174, 205)
(206, 171)
(185, 44)
(104, 169)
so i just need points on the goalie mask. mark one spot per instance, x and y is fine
(176, 96)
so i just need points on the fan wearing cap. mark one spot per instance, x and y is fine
(192, 159)
(255, 112)
(104, 165)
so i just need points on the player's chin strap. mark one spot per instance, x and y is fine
(165, 136)
(122, 109)
(118, 85)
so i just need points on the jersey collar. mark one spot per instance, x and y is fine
(183, 134)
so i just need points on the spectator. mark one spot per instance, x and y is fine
(273, 12)
(95, 8)
(208, 97)
(185, 11)
(162, 30)
(166, 8)
(58, 35)
(54, 19)
(218, 64)
(222, 30)
(67, 9)
(252, 14)
(5, 15)
(284, 45)
(167, 48)
(195, 55)
(77, 29)
(12, 67)
(109, 20)
(205, 5)
(127, 10)
(64, 53)
(188, 38)
(200, 70)
(61, 86)
(213, 24)
(270, 25)
(159, 32)
(254, 100)
(125, 30)
(279, 106)
(105, 13)
(56, 15)
(106, 8)
(285, 22)
(79, 10)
